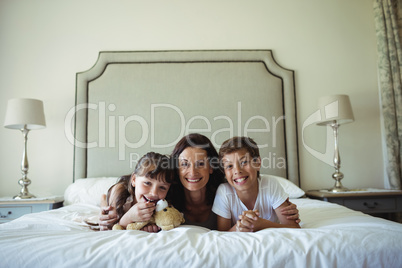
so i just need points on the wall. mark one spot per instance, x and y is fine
(330, 44)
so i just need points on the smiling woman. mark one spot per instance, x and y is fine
(194, 169)
(199, 176)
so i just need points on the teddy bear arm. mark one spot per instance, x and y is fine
(140, 224)
(136, 225)
(117, 227)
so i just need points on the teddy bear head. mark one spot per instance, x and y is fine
(168, 218)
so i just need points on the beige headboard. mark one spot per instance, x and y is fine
(133, 102)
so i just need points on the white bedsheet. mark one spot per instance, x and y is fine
(331, 236)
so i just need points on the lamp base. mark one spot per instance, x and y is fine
(24, 193)
(338, 189)
(24, 196)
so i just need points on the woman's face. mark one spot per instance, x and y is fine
(194, 168)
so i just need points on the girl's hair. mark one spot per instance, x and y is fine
(120, 187)
(216, 178)
(152, 165)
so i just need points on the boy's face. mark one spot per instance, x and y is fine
(241, 169)
(149, 190)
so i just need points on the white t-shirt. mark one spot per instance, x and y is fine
(270, 196)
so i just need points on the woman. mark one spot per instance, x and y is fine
(199, 175)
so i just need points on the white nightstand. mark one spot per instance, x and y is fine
(11, 209)
(379, 202)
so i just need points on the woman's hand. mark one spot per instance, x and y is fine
(291, 212)
(107, 216)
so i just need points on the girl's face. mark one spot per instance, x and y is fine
(149, 190)
(241, 169)
(194, 168)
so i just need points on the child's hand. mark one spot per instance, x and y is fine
(141, 211)
(151, 228)
(247, 220)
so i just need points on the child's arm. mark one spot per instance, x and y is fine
(224, 224)
(261, 223)
(139, 212)
(244, 224)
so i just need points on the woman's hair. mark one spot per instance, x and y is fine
(215, 179)
(151, 165)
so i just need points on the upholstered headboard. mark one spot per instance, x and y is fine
(133, 102)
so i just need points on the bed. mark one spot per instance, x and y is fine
(130, 103)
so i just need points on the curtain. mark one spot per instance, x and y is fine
(388, 31)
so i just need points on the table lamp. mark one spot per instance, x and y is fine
(25, 115)
(335, 110)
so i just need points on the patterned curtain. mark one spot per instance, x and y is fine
(388, 31)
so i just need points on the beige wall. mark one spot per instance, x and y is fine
(330, 44)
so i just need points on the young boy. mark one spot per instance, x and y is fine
(248, 203)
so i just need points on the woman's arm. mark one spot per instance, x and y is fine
(291, 212)
(108, 216)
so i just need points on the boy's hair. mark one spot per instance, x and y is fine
(151, 165)
(238, 143)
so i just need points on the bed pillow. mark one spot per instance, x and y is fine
(88, 191)
(290, 188)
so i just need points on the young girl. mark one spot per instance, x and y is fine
(133, 198)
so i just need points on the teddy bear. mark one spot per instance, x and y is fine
(166, 217)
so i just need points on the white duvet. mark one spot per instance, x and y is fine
(331, 236)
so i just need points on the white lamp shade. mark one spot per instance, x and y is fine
(335, 108)
(21, 112)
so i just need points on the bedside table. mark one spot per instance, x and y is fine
(378, 202)
(11, 209)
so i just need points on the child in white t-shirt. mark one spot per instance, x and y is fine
(248, 203)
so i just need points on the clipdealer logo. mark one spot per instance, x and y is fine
(117, 125)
